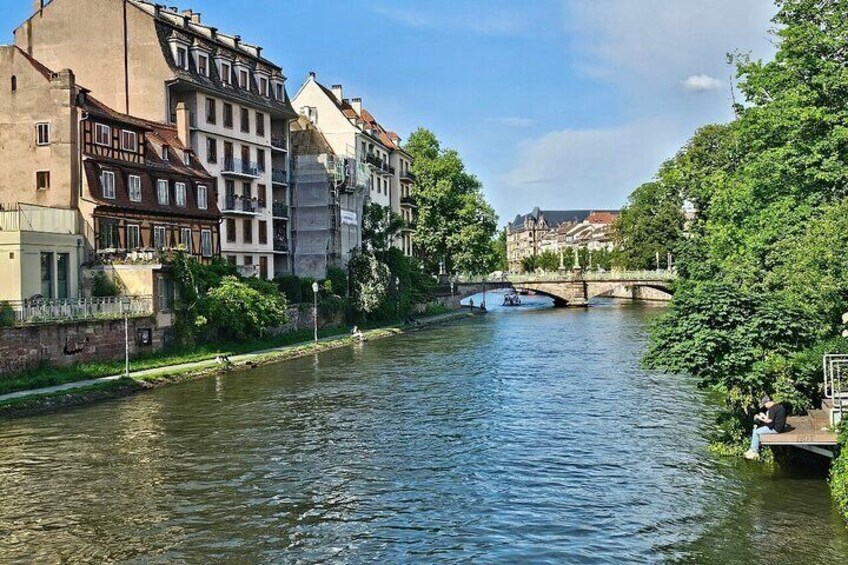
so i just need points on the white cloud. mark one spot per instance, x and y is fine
(588, 168)
(514, 122)
(702, 83)
(490, 22)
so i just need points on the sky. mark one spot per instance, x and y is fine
(560, 104)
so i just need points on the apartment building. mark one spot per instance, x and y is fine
(353, 132)
(227, 101)
(87, 184)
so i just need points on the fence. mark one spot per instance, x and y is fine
(39, 311)
(571, 276)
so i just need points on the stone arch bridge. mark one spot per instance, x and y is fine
(575, 288)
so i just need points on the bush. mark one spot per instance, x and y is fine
(104, 287)
(338, 278)
(839, 473)
(290, 286)
(7, 315)
(238, 309)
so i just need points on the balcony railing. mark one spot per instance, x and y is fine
(281, 244)
(372, 159)
(240, 204)
(408, 201)
(407, 176)
(37, 311)
(278, 143)
(280, 210)
(279, 176)
(241, 167)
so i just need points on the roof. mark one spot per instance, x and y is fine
(554, 218)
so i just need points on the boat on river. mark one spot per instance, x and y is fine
(512, 299)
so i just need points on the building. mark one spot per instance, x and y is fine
(352, 132)
(101, 187)
(554, 230)
(228, 103)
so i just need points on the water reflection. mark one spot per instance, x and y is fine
(528, 435)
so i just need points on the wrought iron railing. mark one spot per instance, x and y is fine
(36, 311)
(239, 204)
(572, 275)
(278, 142)
(241, 167)
(280, 210)
(278, 176)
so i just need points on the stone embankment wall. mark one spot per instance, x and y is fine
(27, 347)
(640, 293)
(301, 318)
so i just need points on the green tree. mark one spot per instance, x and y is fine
(455, 224)
(380, 228)
(239, 309)
(369, 282)
(651, 223)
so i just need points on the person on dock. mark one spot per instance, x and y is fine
(772, 422)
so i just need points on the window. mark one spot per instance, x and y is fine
(260, 123)
(245, 120)
(263, 232)
(129, 141)
(201, 197)
(263, 86)
(182, 57)
(203, 64)
(47, 275)
(262, 194)
(280, 92)
(247, 225)
(102, 134)
(135, 188)
(228, 115)
(160, 235)
(166, 153)
(14, 83)
(42, 180)
(226, 73)
(206, 243)
(248, 259)
(180, 189)
(185, 239)
(162, 191)
(243, 79)
(246, 190)
(232, 259)
(42, 134)
(165, 293)
(187, 158)
(211, 150)
(63, 262)
(133, 236)
(260, 160)
(231, 230)
(108, 234)
(211, 111)
(107, 181)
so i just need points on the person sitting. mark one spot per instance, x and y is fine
(772, 422)
(356, 333)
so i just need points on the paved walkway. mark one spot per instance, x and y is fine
(196, 365)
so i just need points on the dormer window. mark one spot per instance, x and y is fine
(182, 58)
(226, 72)
(263, 86)
(203, 64)
(102, 134)
(129, 141)
(280, 92)
(243, 79)
(187, 158)
(166, 153)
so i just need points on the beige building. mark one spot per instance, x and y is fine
(353, 132)
(553, 230)
(228, 102)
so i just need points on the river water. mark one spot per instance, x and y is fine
(529, 435)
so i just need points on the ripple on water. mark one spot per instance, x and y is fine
(523, 436)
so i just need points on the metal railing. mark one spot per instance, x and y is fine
(278, 176)
(407, 175)
(408, 201)
(278, 142)
(279, 210)
(571, 275)
(241, 167)
(239, 204)
(280, 244)
(37, 311)
(835, 369)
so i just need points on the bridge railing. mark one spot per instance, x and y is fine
(570, 276)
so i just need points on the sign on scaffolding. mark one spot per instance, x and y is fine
(349, 218)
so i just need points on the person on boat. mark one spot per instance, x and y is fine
(773, 421)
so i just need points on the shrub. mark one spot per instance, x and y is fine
(104, 287)
(290, 286)
(238, 309)
(7, 315)
(338, 278)
(306, 289)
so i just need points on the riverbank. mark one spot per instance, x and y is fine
(32, 402)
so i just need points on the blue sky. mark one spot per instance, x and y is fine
(552, 103)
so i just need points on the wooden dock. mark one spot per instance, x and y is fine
(810, 432)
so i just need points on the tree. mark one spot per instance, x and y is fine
(455, 224)
(650, 224)
(380, 228)
(238, 308)
(369, 281)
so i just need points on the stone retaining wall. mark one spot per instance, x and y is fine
(27, 347)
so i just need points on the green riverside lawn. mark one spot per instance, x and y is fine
(48, 376)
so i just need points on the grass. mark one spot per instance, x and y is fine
(47, 376)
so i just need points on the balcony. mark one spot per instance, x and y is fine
(280, 210)
(281, 244)
(408, 201)
(242, 169)
(278, 176)
(234, 204)
(39, 311)
(278, 143)
(248, 271)
(374, 161)
(407, 176)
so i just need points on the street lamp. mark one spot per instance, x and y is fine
(315, 308)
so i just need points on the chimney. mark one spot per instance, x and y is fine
(193, 16)
(337, 92)
(183, 124)
(312, 75)
(236, 42)
(38, 5)
(357, 105)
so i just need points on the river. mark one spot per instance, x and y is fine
(529, 435)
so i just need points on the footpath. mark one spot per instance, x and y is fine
(76, 393)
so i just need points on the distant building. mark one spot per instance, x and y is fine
(554, 230)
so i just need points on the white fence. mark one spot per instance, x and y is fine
(40, 311)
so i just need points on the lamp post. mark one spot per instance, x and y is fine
(315, 308)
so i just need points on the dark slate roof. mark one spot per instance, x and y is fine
(556, 217)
